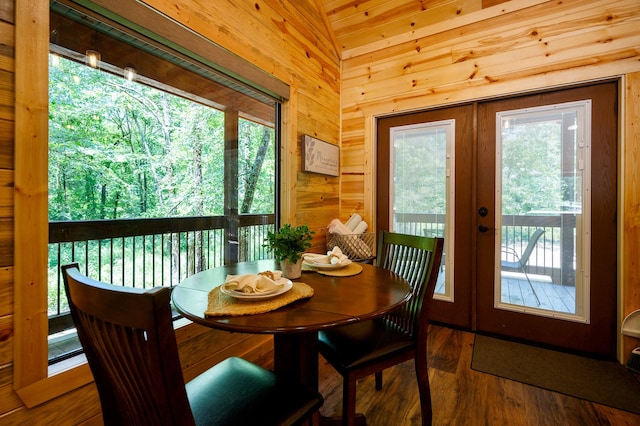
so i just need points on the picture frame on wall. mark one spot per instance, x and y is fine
(320, 157)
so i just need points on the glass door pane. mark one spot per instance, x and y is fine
(542, 210)
(421, 188)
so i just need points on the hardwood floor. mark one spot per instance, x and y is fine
(462, 396)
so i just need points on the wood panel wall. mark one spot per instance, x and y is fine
(288, 39)
(470, 53)
(8, 398)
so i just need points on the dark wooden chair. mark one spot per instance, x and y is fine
(368, 347)
(128, 338)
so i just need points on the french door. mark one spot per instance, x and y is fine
(524, 192)
(424, 181)
(549, 165)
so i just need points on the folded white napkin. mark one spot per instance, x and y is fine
(336, 257)
(252, 283)
(316, 258)
(333, 257)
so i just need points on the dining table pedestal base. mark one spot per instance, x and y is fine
(295, 356)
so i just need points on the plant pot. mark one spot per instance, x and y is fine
(291, 270)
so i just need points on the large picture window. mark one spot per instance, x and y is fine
(159, 167)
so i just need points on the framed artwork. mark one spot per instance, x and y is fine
(320, 157)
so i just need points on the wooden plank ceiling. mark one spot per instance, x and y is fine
(356, 23)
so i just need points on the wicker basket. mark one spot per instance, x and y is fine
(357, 247)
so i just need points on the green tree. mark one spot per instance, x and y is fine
(531, 174)
(256, 147)
(124, 150)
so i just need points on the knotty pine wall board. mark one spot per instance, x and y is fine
(395, 18)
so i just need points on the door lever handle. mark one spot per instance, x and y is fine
(483, 228)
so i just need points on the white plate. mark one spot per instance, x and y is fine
(285, 286)
(327, 266)
(232, 291)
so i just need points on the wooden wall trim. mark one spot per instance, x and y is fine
(49, 388)
(630, 235)
(327, 27)
(370, 173)
(30, 195)
(288, 159)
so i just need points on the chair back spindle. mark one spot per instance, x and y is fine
(413, 258)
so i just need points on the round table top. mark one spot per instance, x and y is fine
(336, 300)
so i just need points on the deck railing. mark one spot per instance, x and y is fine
(146, 253)
(162, 252)
(552, 256)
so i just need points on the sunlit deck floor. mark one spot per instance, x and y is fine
(554, 297)
(516, 291)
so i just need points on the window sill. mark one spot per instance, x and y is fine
(67, 364)
(55, 385)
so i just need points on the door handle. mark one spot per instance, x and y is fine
(483, 228)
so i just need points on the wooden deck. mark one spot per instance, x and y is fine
(554, 297)
(517, 291)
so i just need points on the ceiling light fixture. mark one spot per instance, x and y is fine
(93, 58)
(130, 73)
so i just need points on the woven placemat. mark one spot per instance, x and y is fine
(222, 305)
(349, 270)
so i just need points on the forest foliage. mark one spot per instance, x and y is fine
(121, 149)
(536, 176)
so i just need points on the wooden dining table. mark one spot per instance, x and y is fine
(336, 301)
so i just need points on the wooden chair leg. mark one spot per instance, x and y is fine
(422, 375)
(378, 380)
(348, 401)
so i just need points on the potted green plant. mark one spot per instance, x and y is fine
(287, 245)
